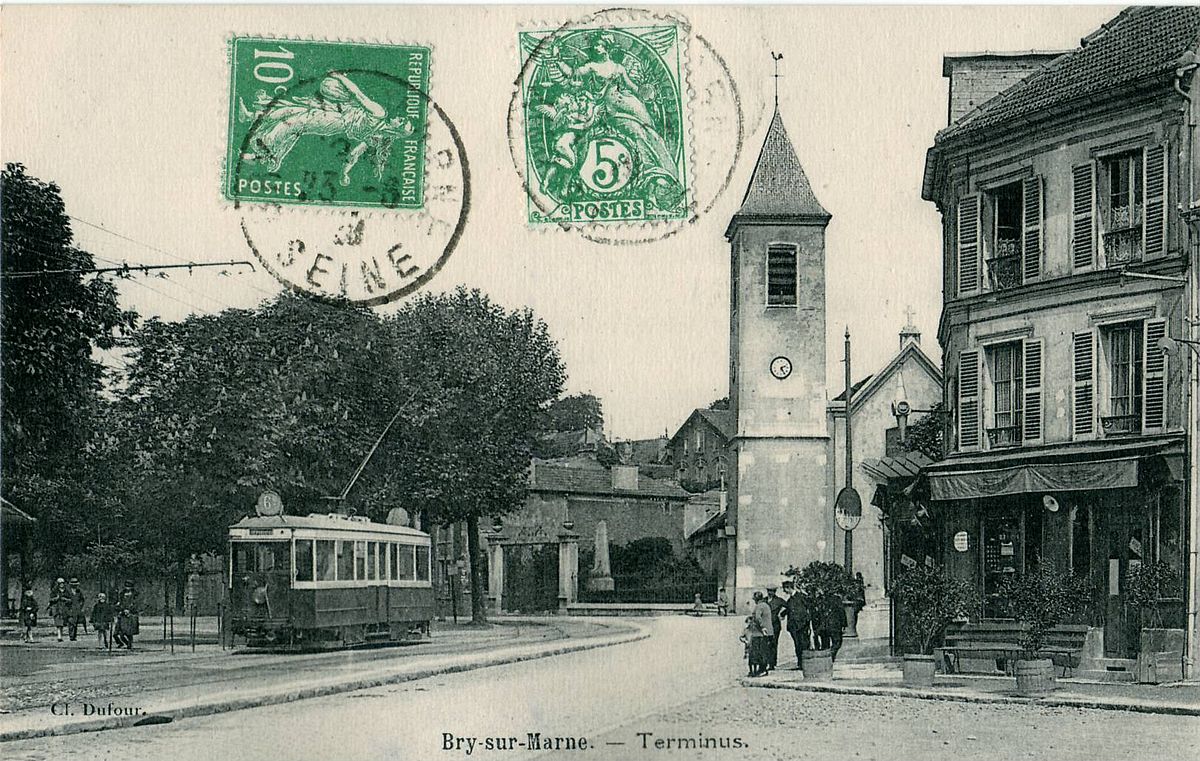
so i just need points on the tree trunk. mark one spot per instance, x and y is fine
(474, 556)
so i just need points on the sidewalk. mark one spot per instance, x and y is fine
(1179, 698)
(217, 682)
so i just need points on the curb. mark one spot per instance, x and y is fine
(208, 708)
(919, 694)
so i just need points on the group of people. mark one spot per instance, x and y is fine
(115, 623)
(814, 624)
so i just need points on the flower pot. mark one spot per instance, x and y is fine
(852, 608)
(817, 665)
(919, 670)
(1035, 677)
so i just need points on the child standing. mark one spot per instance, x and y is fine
(29, 613)
(102, 619)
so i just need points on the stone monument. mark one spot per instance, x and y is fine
(600, 579)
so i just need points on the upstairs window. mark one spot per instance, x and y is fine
(781, 275)
(1007, 391)
(1004, 264)
(1125, 368)
(1122, 206)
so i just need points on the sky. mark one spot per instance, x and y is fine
(125, 108)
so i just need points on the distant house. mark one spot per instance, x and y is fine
(699, 450)
(632, 505)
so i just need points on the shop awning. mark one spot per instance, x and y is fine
(1068, 467)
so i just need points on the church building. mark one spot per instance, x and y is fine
(778, 509)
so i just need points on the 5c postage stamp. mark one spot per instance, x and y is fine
(604, 124)
(327, 123)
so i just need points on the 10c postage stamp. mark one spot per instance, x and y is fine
(327, 123)
(603, 120)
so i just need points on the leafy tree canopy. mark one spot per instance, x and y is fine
(576, 412)
(51, 383)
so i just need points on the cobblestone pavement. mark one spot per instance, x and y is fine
(789, 726)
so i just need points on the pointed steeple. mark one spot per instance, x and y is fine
(779, 191)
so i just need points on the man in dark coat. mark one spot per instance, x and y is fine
(75, 603)
(798, 621)
(833, 621)
(776, 603)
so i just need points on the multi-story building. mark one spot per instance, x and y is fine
(699, 450)
(1069, 278)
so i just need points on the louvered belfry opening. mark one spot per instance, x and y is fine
(781, 275)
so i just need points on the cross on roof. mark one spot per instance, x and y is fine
(776, 57)
(909, 312)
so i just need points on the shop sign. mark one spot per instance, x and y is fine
(960, 541)
(907, 562)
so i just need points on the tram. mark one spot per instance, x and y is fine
(328, 580)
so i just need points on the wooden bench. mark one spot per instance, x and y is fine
(1000, 640)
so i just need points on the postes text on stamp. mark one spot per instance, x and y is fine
(603, 119)
(327, 123)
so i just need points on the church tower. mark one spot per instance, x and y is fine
(778, 492)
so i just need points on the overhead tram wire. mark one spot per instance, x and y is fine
(157, 249)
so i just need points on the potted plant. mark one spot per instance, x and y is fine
(1151, 587)
(1040, 600)
(825, 587)
(931, 599)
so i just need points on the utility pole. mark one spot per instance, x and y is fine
(849, 555)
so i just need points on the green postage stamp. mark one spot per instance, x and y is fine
(327, 123)
(603, 118)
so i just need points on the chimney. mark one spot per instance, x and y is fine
(624, 478)
(976, 77)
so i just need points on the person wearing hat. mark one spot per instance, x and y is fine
(776, 604)
(75, 603)
(127, 617)
(102, 618)
(29, 614)
(799, 621)
(60, 599)
(761, 627)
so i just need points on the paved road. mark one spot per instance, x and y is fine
(678, 684)
(37, 675)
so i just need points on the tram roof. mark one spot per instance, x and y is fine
(325, 522)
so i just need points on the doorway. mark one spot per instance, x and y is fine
(1127, 549)
(531, 577)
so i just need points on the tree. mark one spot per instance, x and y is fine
(576, 412)
(720, 404)
(927, 435)
(51, 382)
(931, 599)
(289, 396)
(497, 373)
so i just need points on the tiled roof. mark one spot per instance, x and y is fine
(723, 420)
(778, 187)
(598, 482)
(712, 524)
(1140, 42)
(853, 389)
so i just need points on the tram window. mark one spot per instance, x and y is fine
(393, 561)
(345, 561)
(422, 564)
(304, 560)
(326, 560)
(407, 564)
(360, 560)
(372, 568)
(260, 557)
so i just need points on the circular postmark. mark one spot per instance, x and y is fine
(351, 182)
(624, 125)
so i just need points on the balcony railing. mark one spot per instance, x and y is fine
(1004, 271)
(1004, 436)
(1123, 235)
(1115, 425)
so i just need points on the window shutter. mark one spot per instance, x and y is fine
(1083, 227)
(968, 245)
(1083, 401)
(968, 400)
(1155, 378)
(1031, 240)
(1031, 432)
(1155, 218)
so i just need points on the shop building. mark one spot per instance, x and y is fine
(1069, 300)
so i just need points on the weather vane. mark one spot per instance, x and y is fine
(776, 57)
